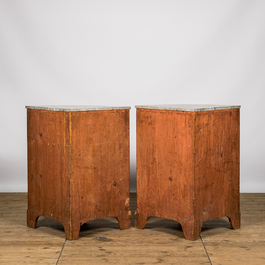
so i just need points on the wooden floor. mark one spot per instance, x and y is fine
(102, 242)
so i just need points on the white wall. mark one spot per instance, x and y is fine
(126, 53)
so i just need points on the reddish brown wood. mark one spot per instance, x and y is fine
(188, 167)
(78, 167)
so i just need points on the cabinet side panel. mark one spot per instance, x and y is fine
(165, 168)
(48, 159)
(100, 164)
(217, 163)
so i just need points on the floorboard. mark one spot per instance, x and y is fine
(102, 242)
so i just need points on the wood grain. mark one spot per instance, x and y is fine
(161, 242)
(236, 253)
(78, 167)
(189, 161)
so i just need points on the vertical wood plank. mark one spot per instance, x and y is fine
(48, 178)
(100, 164)
(165, 166)
(217, 163)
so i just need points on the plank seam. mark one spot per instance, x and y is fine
(61, 251)
(206, 251)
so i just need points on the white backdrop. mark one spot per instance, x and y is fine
(123, 53)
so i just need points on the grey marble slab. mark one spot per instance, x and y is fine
(72, 108)
(188, 107)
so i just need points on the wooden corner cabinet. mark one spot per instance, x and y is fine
(78, 165)
(188, 164)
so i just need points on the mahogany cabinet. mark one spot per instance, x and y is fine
(78, 165)
(188, 164)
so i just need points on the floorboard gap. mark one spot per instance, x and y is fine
(206, 251)
(61, 252)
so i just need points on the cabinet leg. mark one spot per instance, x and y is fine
(71, 232)
(191, 230)
(140, 219)
(32, 219)
(235, 220)
(124, 220)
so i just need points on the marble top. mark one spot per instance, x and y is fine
(188, 107)
(72, 108)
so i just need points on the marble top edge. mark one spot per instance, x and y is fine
(72, 108)
(188, 107)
